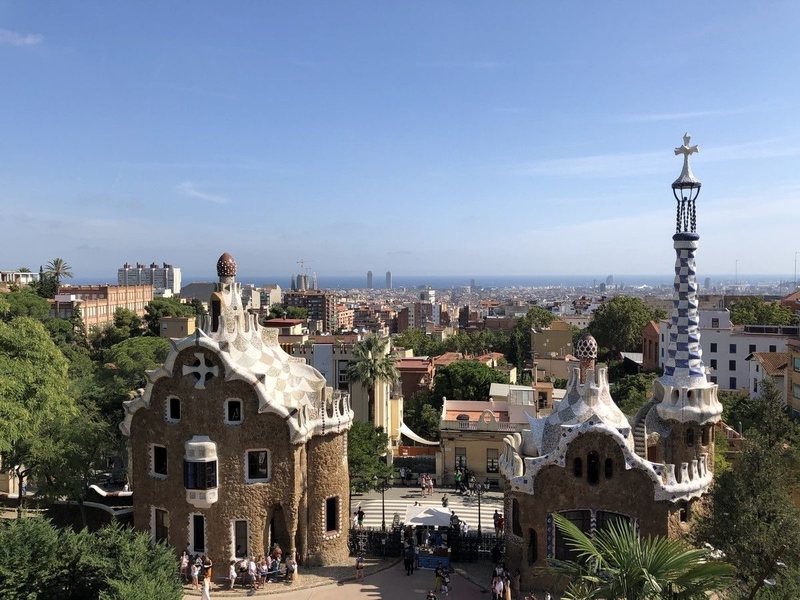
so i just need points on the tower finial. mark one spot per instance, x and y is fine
(687, 178)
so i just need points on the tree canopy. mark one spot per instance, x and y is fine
(40, 562)
(616, 563)
(367, 446)
(24, 302)
(631, 392)
(372, 364)
(164, 307)
(465, 380)
(58, 269)
(751, 513)
(754, 310)
(618, 323)
(520, 343)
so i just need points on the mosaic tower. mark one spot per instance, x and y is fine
(686, 397)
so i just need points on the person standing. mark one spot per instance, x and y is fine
(409, 559)
(403, 475)
(359, 567)
(496, 521)
(360, 514)
(206, 595)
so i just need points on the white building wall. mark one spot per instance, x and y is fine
(725, 350)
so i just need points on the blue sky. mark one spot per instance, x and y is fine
(424, 138)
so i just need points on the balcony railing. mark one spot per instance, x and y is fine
(480, 426)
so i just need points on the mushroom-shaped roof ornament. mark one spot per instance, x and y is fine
(226, 266)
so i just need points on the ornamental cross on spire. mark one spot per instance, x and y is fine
(686, 178)
(686, 149)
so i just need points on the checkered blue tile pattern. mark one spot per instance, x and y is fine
(684, 356)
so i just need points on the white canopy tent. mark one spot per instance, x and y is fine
(406, 431)
(430, 516)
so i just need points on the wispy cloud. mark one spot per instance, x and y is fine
(680, 116)
(12, 38)
(187, 188)
(649, 163)
(601, 165)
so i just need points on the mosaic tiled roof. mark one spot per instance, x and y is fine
(285, 385)
(583, 402)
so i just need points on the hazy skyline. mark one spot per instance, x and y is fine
(437, 138)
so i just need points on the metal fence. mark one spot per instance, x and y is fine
(467, 548)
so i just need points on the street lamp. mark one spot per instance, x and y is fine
(384, 483)
(478, 488)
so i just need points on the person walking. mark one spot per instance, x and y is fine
(438, 578)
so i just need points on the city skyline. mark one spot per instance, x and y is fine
(437, 139)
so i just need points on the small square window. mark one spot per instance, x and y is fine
(174, 409)
(773, 348)
(233, 411)
(713, 347)
(732, 349)
(731, 365)
(732, 383)
(160, 461)
(751, 348)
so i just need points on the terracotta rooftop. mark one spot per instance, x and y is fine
(448, 358)
(772, 362)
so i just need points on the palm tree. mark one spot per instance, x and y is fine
(58, 269)
(616, 563)
(372, 364)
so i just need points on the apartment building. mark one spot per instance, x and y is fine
(164, 277)
(321, 306)
(726, 348)
(98, 303)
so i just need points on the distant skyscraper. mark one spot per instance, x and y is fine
(707, 284)
(388, 280)
(610, 280)
(369, 280)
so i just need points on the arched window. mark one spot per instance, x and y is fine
(533, 551)
(593, 468)
(609, 468)
(690, 437)
(706, 434)
(516, 526)
(577, 468)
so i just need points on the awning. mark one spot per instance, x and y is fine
(406, 431)
(430, 516)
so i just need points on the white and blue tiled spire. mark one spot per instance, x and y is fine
(684, 389)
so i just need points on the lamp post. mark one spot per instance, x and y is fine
(384, 483)
(478, 487)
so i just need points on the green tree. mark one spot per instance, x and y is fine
(127, 324)
(58, 269)
(70, 461)
(366, 455)
(421, 414)
(164, 307)
(33, 391)
(466, 380)
(25, 303)
(420, 342)
(632, 392)
(618, 323)
(123, 370)
(616, 563)
(372, 365)
(754, 310)
(750, 512)
(46, 286)
(40, 562)
(296, 312)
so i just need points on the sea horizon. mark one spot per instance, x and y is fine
(443, 282)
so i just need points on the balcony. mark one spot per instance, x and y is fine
(481, 426)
